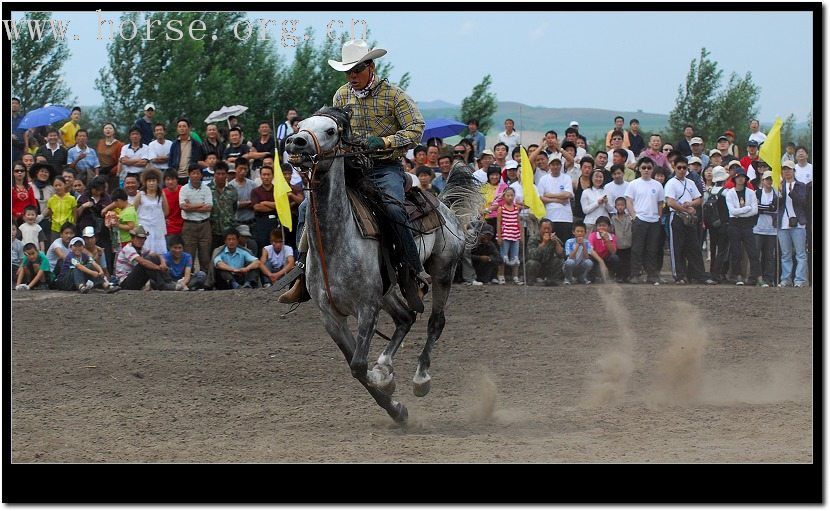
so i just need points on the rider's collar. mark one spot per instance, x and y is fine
(370, 88)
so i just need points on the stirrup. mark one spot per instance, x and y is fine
(289, 277)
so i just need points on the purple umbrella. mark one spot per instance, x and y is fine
(43, 116)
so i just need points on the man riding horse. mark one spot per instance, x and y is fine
(391, 123)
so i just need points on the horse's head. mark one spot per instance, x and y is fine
(319, 136)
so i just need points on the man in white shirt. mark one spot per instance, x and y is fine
(134, 156)
(556, 191)
(756, 134)
(618, 186)
(644, 202)
(509, 136)
(542, 167)
(803, 169)
(196, 203)
(683, 197)
(484, 160)
(160, 148)
(617, 143)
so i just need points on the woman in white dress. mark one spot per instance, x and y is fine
(152, 209)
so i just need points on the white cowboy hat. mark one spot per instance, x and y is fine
(354, 52)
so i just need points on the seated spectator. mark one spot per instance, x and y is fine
(604, 245)
(79, 272)
(578, 256)
(246, 241)
(60, 247)
(621, 223)
(235, 268)
(92, 249)
(485, 257)
(543, 263)
(180, 266)
(136, 265)
(277, 259)
(35, 271)
(17, 252)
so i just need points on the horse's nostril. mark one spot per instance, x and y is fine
(299, 141)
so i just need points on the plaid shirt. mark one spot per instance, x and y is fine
(387, 112)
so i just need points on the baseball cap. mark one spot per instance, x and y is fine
(752, 143)
(573, 123)
(713, 152)
(487, 152)
(512, 164)
(696, 140)
(766, 175)
(694, 159)
(789, 164)
(75, 241)
(89, 232)
(150, 106)
(733, 163)
(243, 230)
(722, 137)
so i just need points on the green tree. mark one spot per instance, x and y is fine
(481, 104)
(788, 131)
(733, 108)
(696, 102)
(805, 138)
(37, 78)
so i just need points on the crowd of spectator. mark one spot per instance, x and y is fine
(198, 212)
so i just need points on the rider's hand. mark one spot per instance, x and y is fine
(375, 143)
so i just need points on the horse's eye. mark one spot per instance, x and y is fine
(330, 131)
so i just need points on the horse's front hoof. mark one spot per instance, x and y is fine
(422, 389)
(389, 387)
(400, 414)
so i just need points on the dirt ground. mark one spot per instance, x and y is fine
(566, 374)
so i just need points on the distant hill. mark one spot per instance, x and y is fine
(593, 122)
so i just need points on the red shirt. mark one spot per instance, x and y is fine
(21, 199)
(599, 246)
(746, 161)
(730, 183)
(174, 218)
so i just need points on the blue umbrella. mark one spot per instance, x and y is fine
(442, 128)
(43, 116)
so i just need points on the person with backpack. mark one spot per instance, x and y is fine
(743, 213)
(766, 229)
(715, 219)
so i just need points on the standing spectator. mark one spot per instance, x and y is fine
(604, 245)
(474, 136)
(541, 169)
(68, 176)
(284, 130)
(792, 232)
(617, 186)
(485, 257)
(196, 203)
(731, 148)
(635, 138)
(174, 220)
(619, 121)
(70, 128)
(35, 271)
(445, 165)
(145, 124)
(265, 210)
(492, 191)
(545, 253)
(733, 167)
(755, 132)
(236, 149)
(789, 154)
(109, 152)
(629, 160)
(698, 152)
(134, 156)
(750, 158)
(55, 154)
(581, 184)
(723, 146)
(509, 136)
(743, 213)
(572, 136)
(277, 259)
(766, 229)
(556, 191)
(30, 231)
(160, 148)
(22, 194)
(18, 146)
(180, 266)
(82, 158)
(432, 157)
(212, 144)
(126, 218)
(509, 235)
(644, 201)
(131, 184)
(42, 176)
(601, 159)
(621, 224)
(425, 175)
(152, 209)
(225, 198)
(263, 146)
(571, 165)
(685, 146)
(136, 265)
(244, 187)
(578, 255)
(487, 157)
(60, 207)
(803, 169)
(185, 152)
(595, 201)
(235, 268)
(683, 197)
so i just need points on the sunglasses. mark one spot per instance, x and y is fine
(666, 150)
(680, 167)
(616, 138)
(458, 152)
(358, 68)
(646, 167)
(20, 170)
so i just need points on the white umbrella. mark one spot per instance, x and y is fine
(225, 112)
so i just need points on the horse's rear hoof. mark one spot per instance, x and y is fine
(422, 389)
(400, 414)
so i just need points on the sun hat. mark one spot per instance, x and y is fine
(719, 174)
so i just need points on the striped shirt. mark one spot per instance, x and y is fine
(387, 112)
(510, 229)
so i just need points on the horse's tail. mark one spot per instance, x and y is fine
(462, 195)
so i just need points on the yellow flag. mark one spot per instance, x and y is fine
(771, 151)
(281, 189)
(531, 196)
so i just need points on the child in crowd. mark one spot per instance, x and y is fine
(30, 230)
(578, 256)
(60, 207)
(621, 223)
(60, 248)
(127, 218)
(80, 272)
(277, 259)
(17, 252)
(508, 235)
(180, 265)
(604, 245)
(35, 271)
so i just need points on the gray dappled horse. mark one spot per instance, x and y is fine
(343, 273)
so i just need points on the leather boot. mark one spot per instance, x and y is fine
(297, 294)
(411, 291)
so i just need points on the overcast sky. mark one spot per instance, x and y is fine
(618, 61)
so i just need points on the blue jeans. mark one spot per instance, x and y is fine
(582, 267)
(509, 251)
(390, 178)
(793, 240)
